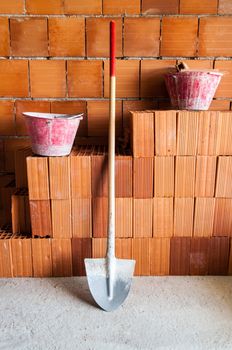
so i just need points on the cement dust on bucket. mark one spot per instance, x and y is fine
(192, 89)
(52, 135)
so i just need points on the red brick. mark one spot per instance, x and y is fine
(180, 255)
(9, 70)
(141, 36)
(72, 107)
(183, 217)
(122, 7)
(152, 77)
(219, 248)
(28, 106)
(12, 6)
(135, 106)
(179, 36)
(97, 30)
(225, 86)
(7, 124)
(43, 7)
(98, 118)
(87, 7)
(225, 7)
(154, 7)
(66, 36)
(127, 82)
(215, 36)
(47, 78)
(29, 37)
(198, 7)
(5, 41)
(220, 105)
(85, 78)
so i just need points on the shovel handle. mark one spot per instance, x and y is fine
(111, 156)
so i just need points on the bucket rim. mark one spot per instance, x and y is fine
(192, 72)
(40, 115)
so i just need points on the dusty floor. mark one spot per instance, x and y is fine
(160, 313)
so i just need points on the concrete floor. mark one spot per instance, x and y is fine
(160, 313)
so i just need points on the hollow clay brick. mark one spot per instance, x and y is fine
(204, 217)
(224, 145)
(44, 7)
(143, 170)
(98, 118)
(66, 36)
(123, 217)
(215, 36)
(12, 7)
(61, 258)
(185, 176)
(123, 7)
(97, 32)
(9, 69)
(163, 215)
(208, 133)
(37, 174)
(29, 37)
(21, 256)
(141, 254)
(123, 248)
(199, 256)
(142, 134)
(41, 257)
(165, 133)
(180, 255)
(78, 85)
(179, 36)
(41, 221)
(123, 176)
(155, 7)
(142, 217)
(187, 132)
(141, 37)
(159, 256)
(7, 121)
(47, 78)
(152, 77)
(164, 177)
(88, 7)
(222, 217)
(99, 246)
(59, 177)
(5, 258)
(183, 217)
(127, 82)
(198, 7)
(100, 216)
(61, 218)
(224, 174)
(5, 38)
(205, 176)
(81, 218)
(218, 255)
(81, 249)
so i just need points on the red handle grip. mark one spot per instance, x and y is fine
(112, 47)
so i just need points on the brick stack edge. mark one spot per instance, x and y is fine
(173, 201)
(54, 57)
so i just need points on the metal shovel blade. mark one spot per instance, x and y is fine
(98, 280)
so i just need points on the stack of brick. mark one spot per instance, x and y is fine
(191, 190)
(173, 201)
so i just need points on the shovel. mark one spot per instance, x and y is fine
(110, 278)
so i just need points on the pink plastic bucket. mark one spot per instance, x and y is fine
(192, 90)
(52, 134)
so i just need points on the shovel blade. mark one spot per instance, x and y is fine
(98, 280)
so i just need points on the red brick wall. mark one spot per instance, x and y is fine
(54, 57)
